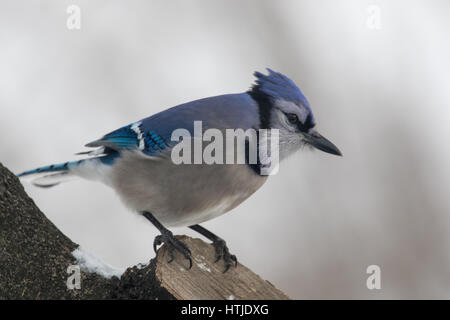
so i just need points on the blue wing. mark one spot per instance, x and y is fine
(130, 137)
(153, 134)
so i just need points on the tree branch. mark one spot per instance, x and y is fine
(35, 255)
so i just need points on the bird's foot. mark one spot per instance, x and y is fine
(223, 253)
(173, 244)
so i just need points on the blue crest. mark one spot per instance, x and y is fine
(278, 86)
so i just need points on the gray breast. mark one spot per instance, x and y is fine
(185, 194)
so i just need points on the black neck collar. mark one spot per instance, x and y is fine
(264, 104)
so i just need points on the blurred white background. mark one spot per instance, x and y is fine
(379, 91)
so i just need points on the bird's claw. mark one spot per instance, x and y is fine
(173, 244)
(222, 252)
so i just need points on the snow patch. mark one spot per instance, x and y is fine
(140, 266)
(90, 263)
(203, 267)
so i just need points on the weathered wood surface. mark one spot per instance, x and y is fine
(35, 254)
(206, 280)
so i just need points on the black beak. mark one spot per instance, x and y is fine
(321, 143)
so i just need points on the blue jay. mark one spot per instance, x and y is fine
(135, 159)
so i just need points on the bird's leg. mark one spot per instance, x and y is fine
(167, 237)
(219, 244)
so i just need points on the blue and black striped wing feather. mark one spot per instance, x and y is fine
(153, 142)
(130, 137)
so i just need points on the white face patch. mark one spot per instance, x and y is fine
(135, 128)
(290, 140)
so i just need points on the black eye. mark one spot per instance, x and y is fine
(292, 118)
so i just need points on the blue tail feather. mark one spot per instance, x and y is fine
(54, 174)
(66, 166)
(52, 168)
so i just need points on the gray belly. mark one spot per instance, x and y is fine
(182, 195)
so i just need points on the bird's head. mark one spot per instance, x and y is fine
(284, 107)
